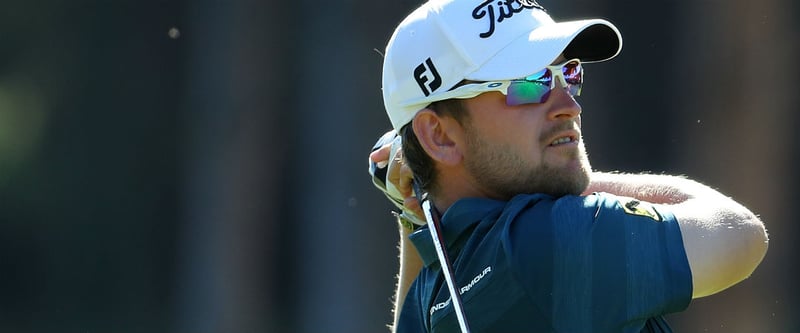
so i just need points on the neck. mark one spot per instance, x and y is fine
(453, 186)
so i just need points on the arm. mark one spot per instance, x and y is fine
(410, 265)
(724, 241)
(393, 178)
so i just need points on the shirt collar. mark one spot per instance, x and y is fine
(462, 215)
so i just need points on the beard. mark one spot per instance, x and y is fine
(498, 169)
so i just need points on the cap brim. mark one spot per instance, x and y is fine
(588, 40)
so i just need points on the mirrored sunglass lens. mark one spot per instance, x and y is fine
(574, 89)
(525, 91)
(573, 73)
(536, 88)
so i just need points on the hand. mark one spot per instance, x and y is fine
(399, 177)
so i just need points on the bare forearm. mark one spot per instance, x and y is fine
(410, 265)
(659, 189)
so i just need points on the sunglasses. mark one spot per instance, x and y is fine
(534, 88)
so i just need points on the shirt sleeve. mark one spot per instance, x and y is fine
(600, 263)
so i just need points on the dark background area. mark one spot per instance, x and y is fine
(200, 166)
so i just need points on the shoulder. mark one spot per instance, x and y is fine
(555, 244)
(570, 207)
(605, 225)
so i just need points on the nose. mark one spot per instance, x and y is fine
(562, 104)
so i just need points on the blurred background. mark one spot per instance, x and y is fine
(201, 166)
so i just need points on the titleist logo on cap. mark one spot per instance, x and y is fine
(497, 11)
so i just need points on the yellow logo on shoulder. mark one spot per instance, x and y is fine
(636, 207)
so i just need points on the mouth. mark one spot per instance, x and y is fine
(565, 138)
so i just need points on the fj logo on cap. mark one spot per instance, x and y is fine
(505, 9)
(421, 75)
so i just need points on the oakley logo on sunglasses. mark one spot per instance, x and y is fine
(420, 75)
(505, 9)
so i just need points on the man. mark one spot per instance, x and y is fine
(482, 94)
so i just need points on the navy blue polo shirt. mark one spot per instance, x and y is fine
(598, 263)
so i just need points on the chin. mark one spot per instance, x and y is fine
(570, 183)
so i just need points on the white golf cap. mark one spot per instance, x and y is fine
(444, 42)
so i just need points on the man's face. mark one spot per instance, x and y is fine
(529, 148)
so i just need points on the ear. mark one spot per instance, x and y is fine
(438, 136)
